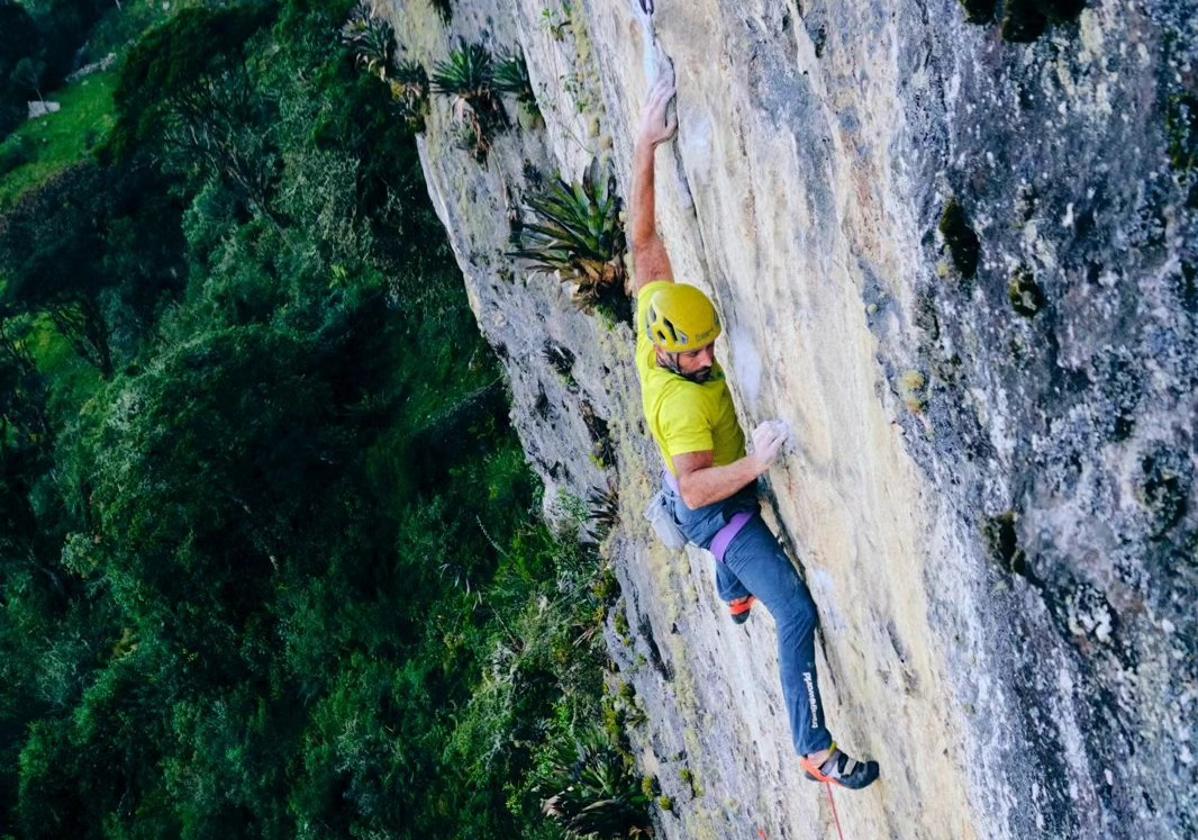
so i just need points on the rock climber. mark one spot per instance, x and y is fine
(710, 481)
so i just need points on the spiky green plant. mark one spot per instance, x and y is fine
(578, 234)
(409, 92)
(596, 792)
(371, 40)
(468, 73)
(468, 76)
(511, 76)
(603, 511)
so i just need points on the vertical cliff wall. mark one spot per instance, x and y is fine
(960, 259)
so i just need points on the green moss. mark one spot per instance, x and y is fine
(606, 588)
(962, 241)
(911, 387)
(613, 722)
(649, 787)
(665, 803)
(1181, 124)
(622, 629)
(978, 11)
(1026, 295)
(1001, 539)
(1165, 488)
(555, 22)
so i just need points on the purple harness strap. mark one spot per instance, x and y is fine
(724, 536)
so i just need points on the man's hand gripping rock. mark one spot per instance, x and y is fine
(657, 123)
(767, 442)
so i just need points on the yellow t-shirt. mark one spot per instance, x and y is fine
(684, 416)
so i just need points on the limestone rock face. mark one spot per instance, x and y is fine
(959, 259)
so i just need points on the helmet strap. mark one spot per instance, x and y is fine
(669, 361)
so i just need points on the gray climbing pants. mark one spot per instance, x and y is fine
(755, 564)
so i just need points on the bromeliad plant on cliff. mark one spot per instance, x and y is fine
(372, 42)
(468, 76)
(578, 235)
(409, 92)
(511, 76)
(595, 791)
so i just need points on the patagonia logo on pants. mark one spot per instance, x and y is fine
(811, 699)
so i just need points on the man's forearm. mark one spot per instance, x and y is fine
(644, 222)
(714, 484)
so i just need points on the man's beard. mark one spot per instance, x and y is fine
(698, 376)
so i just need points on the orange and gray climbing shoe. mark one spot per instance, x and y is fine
(739, 608)
(839, 769)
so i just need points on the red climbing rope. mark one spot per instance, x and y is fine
(835, 816)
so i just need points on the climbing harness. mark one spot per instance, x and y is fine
(724, 536)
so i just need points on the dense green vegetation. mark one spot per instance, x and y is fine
(42, 41)
(270, 562)
(40, 149)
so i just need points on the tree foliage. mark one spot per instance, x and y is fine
(80, 235)
(196, 105)
(277, 571)
(20, 41)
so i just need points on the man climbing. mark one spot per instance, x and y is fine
(711, 483)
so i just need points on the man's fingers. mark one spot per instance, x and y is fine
(768, 439)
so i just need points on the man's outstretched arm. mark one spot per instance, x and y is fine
(649, 258)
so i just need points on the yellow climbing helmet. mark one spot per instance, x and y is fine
(681, 318)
